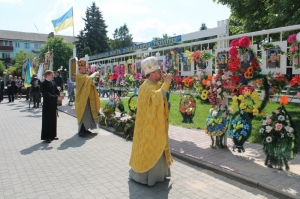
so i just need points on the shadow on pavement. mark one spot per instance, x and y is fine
(159, 190)
(76, 141)
(36, 147)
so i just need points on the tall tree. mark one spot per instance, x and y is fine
(2, 68)
(121, 38)
(80, 44)
(254, 15)
(95, 30)
(62, 52)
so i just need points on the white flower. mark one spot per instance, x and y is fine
(214, 113)
(269, 129)
(230, 110)
(219, 90)
(289, 129)
(225, 94)
(264, 122)
(224, 77)
(213, 81)
(281, 118)
(219, 83)
(290, 134)
(262, 130)
(210, 110)
(282, 135)
(269, 139)
(208, 83)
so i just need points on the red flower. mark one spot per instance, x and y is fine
(254, 63)
(234, 43)
(244, 42)
(113, 77)
(235, 79)
(233, 52)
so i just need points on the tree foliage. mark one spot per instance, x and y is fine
(87, 50)
(255, 15)
(203, 26)
(80, 44)
(94, 32)
(2, 68)
(121, 38)
(62, 52)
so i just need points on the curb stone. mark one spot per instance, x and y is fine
(216, 169)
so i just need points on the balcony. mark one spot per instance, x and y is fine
(8, 48)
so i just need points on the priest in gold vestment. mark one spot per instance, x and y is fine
(87, 102)
(151, 159)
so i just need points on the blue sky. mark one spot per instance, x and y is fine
(145, 18)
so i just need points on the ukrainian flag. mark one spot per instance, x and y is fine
(64, 21)
(29, 72)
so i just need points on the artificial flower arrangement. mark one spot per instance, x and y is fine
(189, 56)
(294, 51)
(216, 123)
(200, 84)
(187, 107)
(277, 82)
(219, 87)
(196, 56)
(280, 141)
(188, 82)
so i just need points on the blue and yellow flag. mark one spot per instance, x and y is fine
(28, 74)
(64, 21)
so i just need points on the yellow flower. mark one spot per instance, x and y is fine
(242, 106)
(205, 92)
(255, 111)
(203, 96)
(214, 133)
(241, 97)
(256, 106)
(172, 52)
(234, 98)
(247, 93)
(248, 110)
(208, 133)
(232, 107)
(220, 133)
(263, 114)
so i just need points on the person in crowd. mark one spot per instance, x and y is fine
(87, 102)
(1, 89)
(10, 84)
(16, 88)
(19, 85)
(151, 159)
(35, 90)
(49, 115)
(60, 83)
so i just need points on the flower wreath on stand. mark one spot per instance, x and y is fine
(201, 87)
(280, 140)
(187, 107)
(245, 97)
(294, 51)
(216, 124)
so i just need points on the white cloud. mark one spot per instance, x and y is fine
(145, 30)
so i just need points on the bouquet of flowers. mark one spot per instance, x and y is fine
(278, 135)
(277, 81)
(294, 51)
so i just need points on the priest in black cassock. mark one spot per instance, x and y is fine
(49, 117)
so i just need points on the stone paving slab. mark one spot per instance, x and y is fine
(94, 166)
(248, 165)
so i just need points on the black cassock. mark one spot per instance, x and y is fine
(49, 116)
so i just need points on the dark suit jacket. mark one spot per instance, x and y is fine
(2, 85)
(13, 85)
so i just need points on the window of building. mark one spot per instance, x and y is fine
(5, 55)
(17, 45)
(27, 45)
(5, 43)
(36, 46)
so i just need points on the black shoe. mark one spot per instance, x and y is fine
(55, 139)
(48, 140)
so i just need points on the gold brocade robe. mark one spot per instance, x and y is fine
(150, 138)
(85, 88)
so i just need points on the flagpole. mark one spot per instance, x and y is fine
(74, 47)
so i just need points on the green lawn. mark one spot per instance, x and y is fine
(202, 111)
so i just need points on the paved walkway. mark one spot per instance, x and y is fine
(95, 166)
(194, 146)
